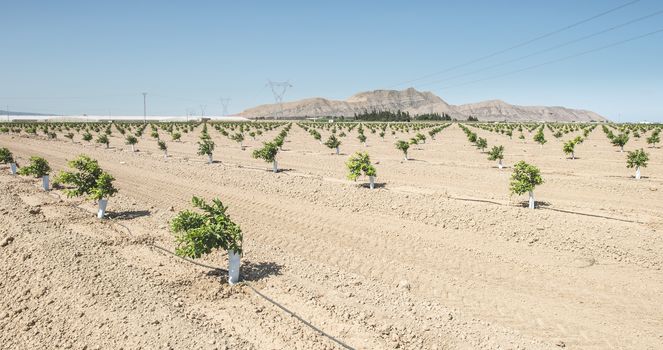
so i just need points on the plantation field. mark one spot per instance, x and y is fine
(439, 255)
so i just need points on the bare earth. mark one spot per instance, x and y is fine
(410, 265)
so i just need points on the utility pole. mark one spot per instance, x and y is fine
(202, 110)
(224, 103)
(278, 89)
(145, 107)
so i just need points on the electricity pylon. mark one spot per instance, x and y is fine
(224, 102)
(278, 89)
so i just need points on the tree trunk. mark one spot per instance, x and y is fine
(234, 262)
(371, 182)
(12, 168)
(406, 158)
(573, 155)
(337, 150)
(499, 164)
(531, 200)
(209, 159)
(637, 173)
(165, 153)
(275, 166)
(102, 208)
(133, 149)
(44, 182)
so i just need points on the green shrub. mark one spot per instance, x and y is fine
(197, 234)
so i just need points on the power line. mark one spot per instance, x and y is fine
(639, 19)
(527, 42)
(558, 59)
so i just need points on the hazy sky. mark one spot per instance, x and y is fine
(96, 57)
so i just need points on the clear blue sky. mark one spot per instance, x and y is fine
(94, 57)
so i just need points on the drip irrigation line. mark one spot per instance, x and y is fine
(553, 209)
(256, 291)
(342, 344)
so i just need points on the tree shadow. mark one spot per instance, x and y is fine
(537, 204)
(128, 215)
(377, 185)
(250, 271)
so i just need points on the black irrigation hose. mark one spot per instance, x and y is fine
(346, 346)
(553, 209)
(272, 301)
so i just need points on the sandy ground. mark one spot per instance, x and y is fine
(413, 264)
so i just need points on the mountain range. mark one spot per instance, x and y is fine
(416, 103)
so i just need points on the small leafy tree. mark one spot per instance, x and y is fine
(481, 143)
(88, 179)
(83, 180)
(333, 143)
(654, 139)
(206, 147)
(176, 136)
(362, 139)
(524, 179)
(620, 140)
(87, 136)
(70, 136)
(239, 138)
(497, 153)
(358, 164)
(569, 148)
(162, 146)
(103, 139)
(268, 153)
(403, 146)
(38, 167)
(132, 141)
(6, 156)
(198, 234)
(637, 159)
(540, 138)
(421, 137)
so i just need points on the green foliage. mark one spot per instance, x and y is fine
(87, 136)
(403, 146)
(84, 180)
(637, 158)
(104, 187)
(524, 178)
(358, 164)
(654, 139)
(162, 145)
(539, 137)
(131, 140)
(103, 139)
(361, 138)
(88, 179)
(267, 153)
(197, 234)
(332, 142)
(481, 143)
(6, 156)
(205, 147)
(496, 153)
(569, 146)
(620, 140)
(38, 167)
(176, 136)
